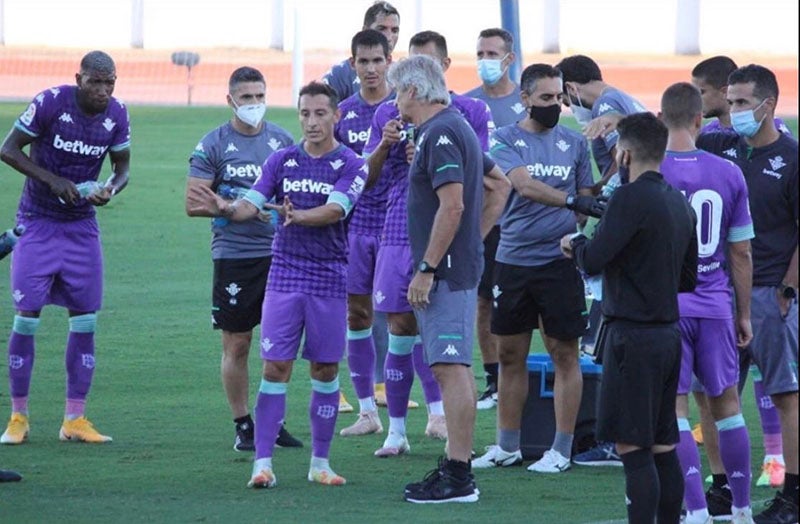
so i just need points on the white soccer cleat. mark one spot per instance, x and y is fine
(368, 422)
(497, 457)
(551, 462)
(395, 444)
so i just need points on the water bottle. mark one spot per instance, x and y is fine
(89, 188)
(8, 239)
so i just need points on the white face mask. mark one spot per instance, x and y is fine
(251, 114)
(581, 114)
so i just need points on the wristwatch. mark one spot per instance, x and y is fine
(787, 291)
(424, 267)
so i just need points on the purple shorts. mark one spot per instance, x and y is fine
(58, 263)
(284, 316)
(393, 272)
(361, 263)
(709, 351)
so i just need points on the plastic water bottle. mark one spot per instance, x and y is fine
(89, 188)
(9, 239)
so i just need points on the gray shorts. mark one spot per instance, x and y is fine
(774, 346)
(446, 325)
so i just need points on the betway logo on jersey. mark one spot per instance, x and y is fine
(542, 171)
(354, 137)
(78, 146)
(245, 171)
(307, 186)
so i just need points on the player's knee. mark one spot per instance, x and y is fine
(25, 325)
(358, 317)
(86, 323)
(324, 376)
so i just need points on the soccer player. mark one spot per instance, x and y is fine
(371, 58)
(768, 159)
(447, 214)
(228, 160)
(318, 182)
(382, 17)
(535, 286)
(642, 353)
(717, 191)
(495, 54)
(59, 259)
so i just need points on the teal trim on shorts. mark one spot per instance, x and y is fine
(25, 325)
(360, 334)
(83, 323)
(451, 337)
(325, 387)
(401, 345)
(340, 199)
(683, 424)
(273, 388)
(727, 424)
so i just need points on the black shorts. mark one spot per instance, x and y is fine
(489, 252)
(238, 292)
(553, 291)
(641, 367)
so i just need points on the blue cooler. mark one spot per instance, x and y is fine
(538, 415)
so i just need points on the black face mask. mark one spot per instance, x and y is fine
(546, 115)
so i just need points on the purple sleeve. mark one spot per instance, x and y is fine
(741, 206)
(35, 120)
(482, 116)
(267, 181)
(122, 131)
(376, 131)
(351, 182)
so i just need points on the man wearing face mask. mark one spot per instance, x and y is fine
(502, 95)
(228, 160)
(535, 286)
(769, 162)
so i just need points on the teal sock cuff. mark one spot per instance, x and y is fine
(727, 424)
(683, 424)
(754, 371)
(360, 334)
(83, 323)
(401, 345)
(272, 388)
(325, 387)
(25, 325)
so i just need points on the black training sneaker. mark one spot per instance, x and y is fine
(488, 398)
(719, 501)
(779, 510)
(286, 440)
(245, 437)
(440, 486)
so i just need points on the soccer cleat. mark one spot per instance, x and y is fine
(380, 397)
(395, 444)
(17, 430)
(699, 516)
(497, 457)
(436, 427)
(742, 516)
(551, 462)
(439, 487)
(81, 430)
(286, 440)
(6, 475)
(719, 502)
(773, 474)
(367, 423)
(779, 510)
(488, 398)
(245, 437)
(344, 405)
(603, 454)
(263, 478)
(697, 434)
(325, 476)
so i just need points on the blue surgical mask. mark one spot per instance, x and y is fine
(491, 70)
(745, 123)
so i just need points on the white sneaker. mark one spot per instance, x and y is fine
(551, 462)
(699, 516)
(497, 457)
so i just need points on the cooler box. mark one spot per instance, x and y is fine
(538, 417)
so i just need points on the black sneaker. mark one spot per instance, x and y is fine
(439, 486)
(719, 501)
(245, 437)
(6, 475)
(779, 510)
(488, 398)
(286, 440)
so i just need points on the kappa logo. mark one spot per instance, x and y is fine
(274, 144)
(351, 115)
(783, 128)
(199, 147)
(17, 295)
(336, 164)
(40, 98)
(233, 289)
(66, 117)
(266, 345)
(518, 108)
(379, 297)
(520, 143)
(731, 153)
(27, 117)
(496, 291)
(639, 107)
(231, 147)
(290, 163)
(109, 124)
(55, 91)
(87, 360)
(492, 142)
(327, 411)
(737, 475)
(15, 362)
(450, 351)
(354, 374)
(777, 163)
(604, 107)
(443, 141)
(562, 145)
(692, 471)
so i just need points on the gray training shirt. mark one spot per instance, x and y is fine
(506, 110)
(611, 100)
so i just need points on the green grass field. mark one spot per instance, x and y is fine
(157, 390)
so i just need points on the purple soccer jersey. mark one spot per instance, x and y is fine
(69, 144)
(310, 260)
(478, 114)
(353, 130)
(717, 192)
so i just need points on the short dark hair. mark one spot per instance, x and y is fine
(681, 103)
(369, 38)
(245, 74)
(98, 62)
(645, 134)
(379, 8)
(765, 83)
(425, 37)
(508, 38)
(535, 72)
(318, 88)
(579, 68)
(715, 70)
